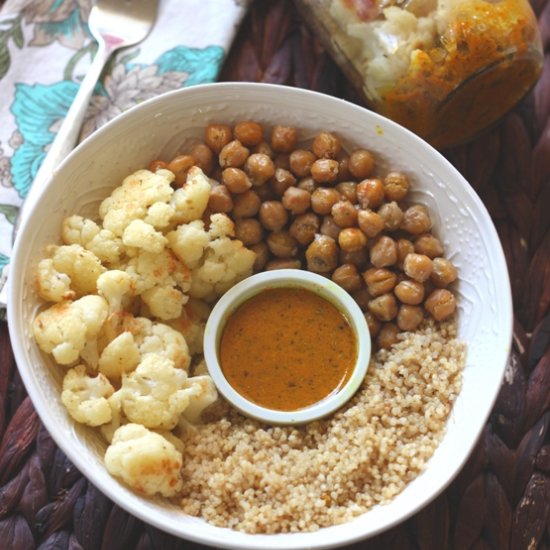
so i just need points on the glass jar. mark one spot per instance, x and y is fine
(445, 69)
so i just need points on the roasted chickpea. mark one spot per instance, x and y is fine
(416, 220)
(392, 215)
(273, 215)
(344, 214)
(352, 238)
(329, 228)
(379, 281)
(322, 254)
(387, 336)
(384, 252)
(347, 277)
(282, 245)
(204, 157)
(418, 267)
(296, 200)
(259, 168)
(283, 264)
(324, 170)
(409, 317)
(326, 145)
(301, 161)
(220, 199)
(384, 307)
(248, 230)
(180, 166)
(358, 258)
(264, 148)
(283, 138)
(396, 186)
(304, 228)
(248, 132)
(217, 136)
(343, 167)
(246, 205)
(428, 245)
(266, 193)
(348, 190)
(373, 323)
(361, 163)
(233, 155)
(362, 297)
(443, 272)
(308, 184)
(409, 292)
(441, 303)
(370, 223)
(262, 256)
(404, 247)
(370, 193)
(236, 180)
(323, 199)
(282, 180)
(158, 165)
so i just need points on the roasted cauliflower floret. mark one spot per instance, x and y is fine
(52, 285)
(85, 397)
(144, 460)
(188, 242)
(221, 225)
(80, 265)
(155, 393)
(202, 394)
(134, 197)
(225, 263)
(120, 356)
(115, 285)
(64, 329)
(139, 234)
(190, 201)
(164, 302)
(102, 242)
(191, 324)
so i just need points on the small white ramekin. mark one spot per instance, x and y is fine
(286, 278)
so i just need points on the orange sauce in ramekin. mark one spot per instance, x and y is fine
(287, 348)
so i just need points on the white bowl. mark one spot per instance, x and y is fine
(158, 128)
(286, 278)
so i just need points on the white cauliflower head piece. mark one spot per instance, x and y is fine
(86, 397)
(202, 394)
(120, 356)
(144, 460)
(65, 328)
(154, 394)
(190, 201)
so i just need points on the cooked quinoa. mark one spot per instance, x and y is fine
(241, 474)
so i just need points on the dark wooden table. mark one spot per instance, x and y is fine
(501, 498)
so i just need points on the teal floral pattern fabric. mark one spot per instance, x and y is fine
(45, 50)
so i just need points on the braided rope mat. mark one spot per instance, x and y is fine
(501, 498)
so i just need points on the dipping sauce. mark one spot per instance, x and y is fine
(287, 348)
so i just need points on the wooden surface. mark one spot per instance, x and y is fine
(501, 498)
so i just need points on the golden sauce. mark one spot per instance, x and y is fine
(287, 348)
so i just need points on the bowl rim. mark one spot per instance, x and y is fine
(332, 536)
(231, 300)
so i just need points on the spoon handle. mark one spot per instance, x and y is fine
(67, 136)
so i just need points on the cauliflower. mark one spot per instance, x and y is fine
(188, 242)
(86, 398)
(155, 394)
(117, 418)
(140, 234)
(121, 355)
(74, 262)
(203, 393)
(164, 302)
(144, 460)
(191, 199)
(191, 324)
(65, 328)
(102, 242)
(221, 225)
(52, 285)
(134, 197)
(113, 285)
(225, 263)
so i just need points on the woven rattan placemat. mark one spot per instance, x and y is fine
(501, 499)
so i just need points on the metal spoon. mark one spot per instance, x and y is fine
(114, 24)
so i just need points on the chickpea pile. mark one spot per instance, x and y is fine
(330, 212)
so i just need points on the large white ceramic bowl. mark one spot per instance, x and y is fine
(157, 129)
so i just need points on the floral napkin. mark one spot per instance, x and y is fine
(45, 50)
